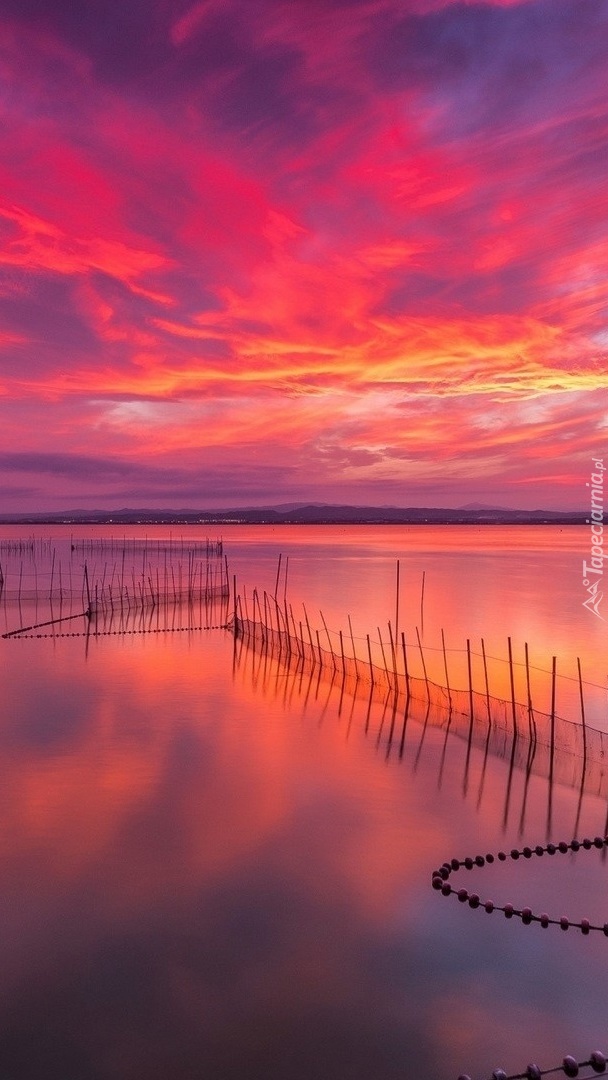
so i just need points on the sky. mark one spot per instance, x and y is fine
(267, 251)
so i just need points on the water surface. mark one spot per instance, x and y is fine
(215, 867)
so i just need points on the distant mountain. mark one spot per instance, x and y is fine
(485, 506)
(308, 514)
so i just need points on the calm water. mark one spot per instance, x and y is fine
(215, 868)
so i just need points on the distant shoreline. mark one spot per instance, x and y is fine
(305, 515)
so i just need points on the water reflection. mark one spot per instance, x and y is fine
(217, 867)
(384, 713)
(416, 738)
(515, 585)
(159, 909)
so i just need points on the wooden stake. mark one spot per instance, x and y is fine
(393, 652)
(531, 721)
(470, 679)
(553, 665)
(309, 632)
(265, 614)
(405, 667)
(580, 686)
(285, 618)
(285, 581)
(342, 652)
(268, 604)
(383, 656)
(295, 631)
(328, 641)
(86, 582)
(49, 622)
(397, 605)
(512, 680)
(445, 664)
(371, 666)
(426, 678)
(350, 627)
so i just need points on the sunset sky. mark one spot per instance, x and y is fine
(268, 251)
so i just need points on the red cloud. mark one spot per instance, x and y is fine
(287, 257)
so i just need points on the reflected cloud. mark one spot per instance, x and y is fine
(213, 862)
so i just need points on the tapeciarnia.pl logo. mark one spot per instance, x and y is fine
(593, 570)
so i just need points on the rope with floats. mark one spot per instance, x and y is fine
(440, 881)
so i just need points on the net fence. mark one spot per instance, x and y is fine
(550, 745)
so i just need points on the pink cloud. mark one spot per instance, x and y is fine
(251, 229)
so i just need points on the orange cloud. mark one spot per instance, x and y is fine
(220, 236)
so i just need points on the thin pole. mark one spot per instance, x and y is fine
(266, 620)
(262, 622)
(393, 653)
(328, 641)
(397, 605)
(86, 582)
(383, 656)
(422, 603)
(405, 667)
(309, 632)
(285, 580)
(276, 587)
(512, 680)
(580, 686)
(426, 678)
(470, 678)
(267, 600)
(285, 621)
(295, 631)
(280, 621)
(49, 622)
(553, 663)
(445, 664)
(371, 666)
(350, 626)
(531, 720)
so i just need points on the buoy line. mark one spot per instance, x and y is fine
(440, 882)
(18, 636)
(570, 1067)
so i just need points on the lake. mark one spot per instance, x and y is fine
(215, 865)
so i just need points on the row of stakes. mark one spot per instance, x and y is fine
(570, 1067)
